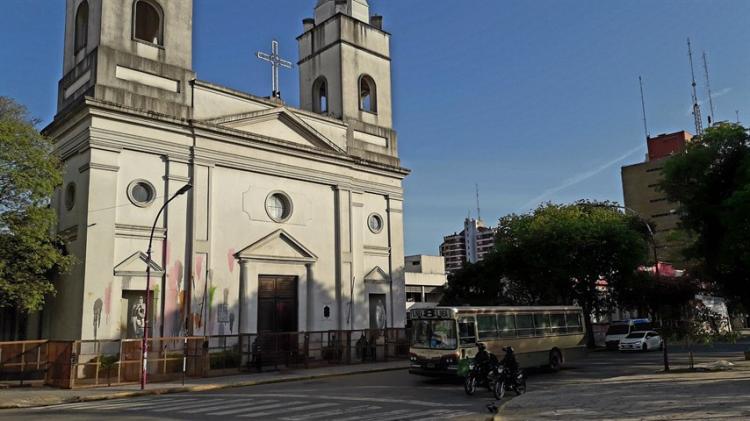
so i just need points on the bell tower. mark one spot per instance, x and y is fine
(345, 64)
(134, 53)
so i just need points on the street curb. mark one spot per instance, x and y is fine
(195, 388)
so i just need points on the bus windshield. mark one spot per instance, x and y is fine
(434, 334)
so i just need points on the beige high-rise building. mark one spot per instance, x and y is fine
(640, 185)
(470, 245)
(294, 221)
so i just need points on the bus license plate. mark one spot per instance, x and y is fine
(430, 365)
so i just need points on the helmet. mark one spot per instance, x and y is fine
(481, 346)
(508, 349)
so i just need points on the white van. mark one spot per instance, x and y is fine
(622, 328)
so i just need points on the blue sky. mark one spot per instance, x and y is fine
(533, 100)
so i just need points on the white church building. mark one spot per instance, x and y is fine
(294, 221)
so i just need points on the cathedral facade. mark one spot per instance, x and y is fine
(293, 221)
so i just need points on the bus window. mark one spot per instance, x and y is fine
(541, 321)
(573, 321)
(506, 325)
(466, 331)
(525, 325)
(557, 322)
(487, 326)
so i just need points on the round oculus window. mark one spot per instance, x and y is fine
(70, 196)
(278, 206)
(141, 193)
(375, 223)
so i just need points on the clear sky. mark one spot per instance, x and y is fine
(533, 100)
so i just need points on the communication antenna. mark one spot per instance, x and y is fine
(479, 212)
(643, 108)
(696, 106)
(708, 90)
(737, 112)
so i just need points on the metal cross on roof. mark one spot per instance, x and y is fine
(276, 63)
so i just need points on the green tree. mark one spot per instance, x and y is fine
(30, 255)
(559, 254)
(711, 181)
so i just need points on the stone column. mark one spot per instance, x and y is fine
(309, 310)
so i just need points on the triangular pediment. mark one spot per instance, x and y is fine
(377, 275)
(279, 123)
(279, 246)
(136, 264)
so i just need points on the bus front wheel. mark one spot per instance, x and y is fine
(555, 360)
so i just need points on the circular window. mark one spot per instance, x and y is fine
(70, 196)
(375, 223)
(279, 206)
(141, 193)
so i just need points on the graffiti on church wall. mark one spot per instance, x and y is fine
(98, 306)
(107, 302)
(231, 260)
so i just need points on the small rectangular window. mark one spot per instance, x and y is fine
(487, 326)
(506, 325)
(542, 324)
(525, 325)
(557, 323)
(573, 321)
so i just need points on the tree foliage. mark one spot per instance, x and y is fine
(558, 254)
(711, 181)
(29, 173)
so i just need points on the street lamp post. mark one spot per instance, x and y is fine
(652, 235)
(144, 346)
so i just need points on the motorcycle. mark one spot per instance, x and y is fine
(503, 382)
(476, 376)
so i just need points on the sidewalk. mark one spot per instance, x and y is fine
(25, 397)
(718, 395)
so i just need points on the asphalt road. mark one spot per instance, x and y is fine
(394, 395)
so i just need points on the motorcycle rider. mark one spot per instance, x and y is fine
(483, 360)
(510, 363)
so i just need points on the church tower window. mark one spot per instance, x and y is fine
(82, 26)
(367, 94)
(147, 22)
(320, 95)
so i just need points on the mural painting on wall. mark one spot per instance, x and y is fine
(137, 318)
(377, 311)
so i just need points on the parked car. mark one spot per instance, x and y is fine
(641, 341)
(622, 328)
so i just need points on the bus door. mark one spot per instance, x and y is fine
(467, 336)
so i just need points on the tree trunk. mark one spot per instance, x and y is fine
(590, 339)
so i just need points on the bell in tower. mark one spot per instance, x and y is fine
(133, 53)
(345, 64)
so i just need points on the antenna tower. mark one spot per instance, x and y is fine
(708, 90)
(696, 106)
(643, 108)
(479, 212)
